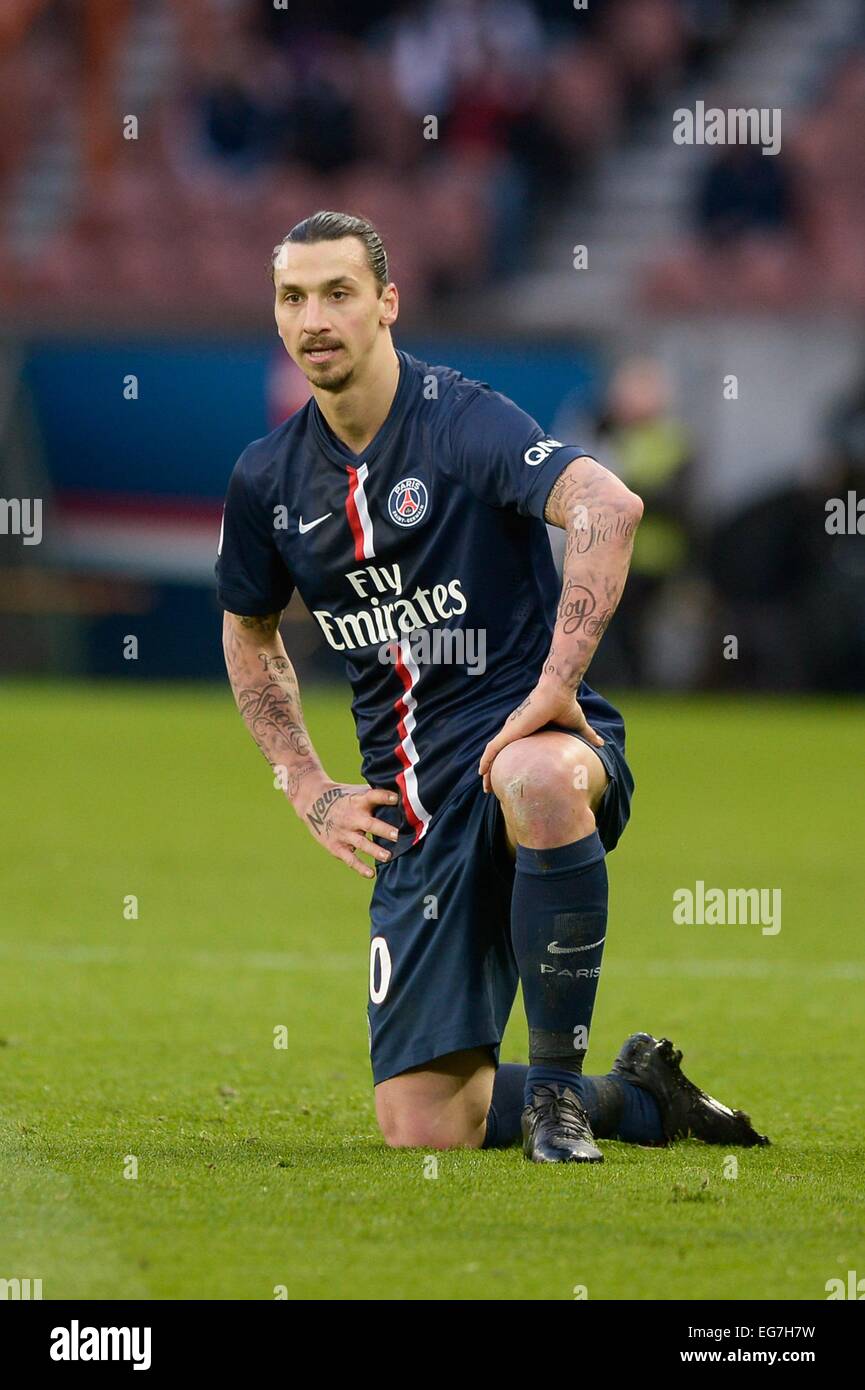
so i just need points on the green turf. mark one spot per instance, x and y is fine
(260, 1167)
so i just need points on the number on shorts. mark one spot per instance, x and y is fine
(378, 950)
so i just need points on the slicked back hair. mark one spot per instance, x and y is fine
(332, 226)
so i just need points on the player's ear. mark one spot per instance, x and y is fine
(389, 311)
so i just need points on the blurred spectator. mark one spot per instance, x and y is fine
(236, 124)
(647, 41)
(639, 437)
(845, 430)
(648, 447)
(744, 191)
(319, 127)
(791, 590)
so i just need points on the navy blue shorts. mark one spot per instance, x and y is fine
(442, 971)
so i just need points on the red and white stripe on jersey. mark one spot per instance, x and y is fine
(416, 813)
(358, 513)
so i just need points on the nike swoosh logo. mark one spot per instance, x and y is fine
(303, 527)
(556, 950)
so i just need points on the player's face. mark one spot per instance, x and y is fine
(328, 309)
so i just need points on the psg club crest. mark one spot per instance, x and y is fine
(408, 502)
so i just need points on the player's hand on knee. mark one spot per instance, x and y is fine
(341, 816)
(551, 702)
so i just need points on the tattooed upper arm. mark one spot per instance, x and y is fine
(264, 625)
(586, 484)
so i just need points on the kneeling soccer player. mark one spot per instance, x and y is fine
(407, 504)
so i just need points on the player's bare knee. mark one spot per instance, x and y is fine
(429, 1140)
(516, 770)
(413, 1131)
(543, 792)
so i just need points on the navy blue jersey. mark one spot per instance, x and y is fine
(424, 561)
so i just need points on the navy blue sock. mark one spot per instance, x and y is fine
(616, 1108)
(503, 1120)
(558, 927)
(619, 1110)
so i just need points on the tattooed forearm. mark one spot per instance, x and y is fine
(295, 777)
(601, 517)
(524, 704)
(267, 695)
(269, 710)
(578, 611)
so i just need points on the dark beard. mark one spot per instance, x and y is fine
(333, 383)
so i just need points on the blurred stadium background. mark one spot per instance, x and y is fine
(153, 151)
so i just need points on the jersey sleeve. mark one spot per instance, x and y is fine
(251, 578)
(502, 455)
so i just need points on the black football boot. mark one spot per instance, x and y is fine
(686, 1111)
(556, 1129)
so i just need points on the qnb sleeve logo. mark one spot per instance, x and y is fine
(540, 451)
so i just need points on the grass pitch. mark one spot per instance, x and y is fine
(152, 1038)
